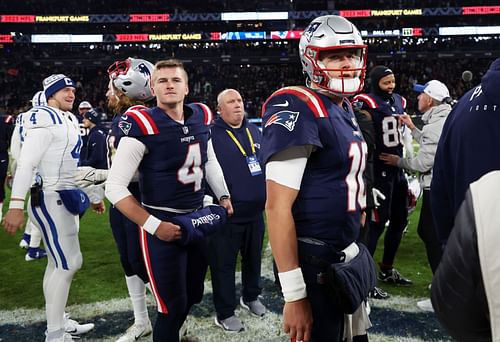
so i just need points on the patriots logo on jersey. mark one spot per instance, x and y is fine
(284, 118)
(125, 126)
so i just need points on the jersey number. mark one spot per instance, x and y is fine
(354, 180)
(191, 171)
(75, 152)
(391, 132)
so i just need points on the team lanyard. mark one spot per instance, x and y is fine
(238, 143)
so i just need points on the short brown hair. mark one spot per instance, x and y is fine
(170, 63)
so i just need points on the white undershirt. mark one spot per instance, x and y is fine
(287, 167)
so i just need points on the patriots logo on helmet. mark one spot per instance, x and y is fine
(284, 118)
(143, 69)
(311, 29)
(125, 126)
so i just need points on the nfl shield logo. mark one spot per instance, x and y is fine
(185, 129)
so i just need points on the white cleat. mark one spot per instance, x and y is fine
(74, 328)
(136, 331)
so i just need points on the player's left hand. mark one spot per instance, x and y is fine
(13, 220)
(390, 159)
(99, 208)
(226, 203)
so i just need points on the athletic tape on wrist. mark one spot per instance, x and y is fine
(151, 224)
(16, 204)
(293, 285)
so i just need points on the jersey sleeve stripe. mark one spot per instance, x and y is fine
(403, 100)
(8, 119)
(366, 99)
(207, 112)
(145, 122)
(53, 114)
(312, 100)
(162, 307)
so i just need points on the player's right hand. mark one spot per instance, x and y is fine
(168, 231)
(297, 320)
(13, 220)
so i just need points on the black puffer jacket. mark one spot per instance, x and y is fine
(466, 284)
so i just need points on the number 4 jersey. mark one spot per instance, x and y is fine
(57, 135)
(171, 174)
(332, 191)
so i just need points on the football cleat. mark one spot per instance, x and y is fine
(35, 254)
(378, 293)
(392, 276)
(136, 331)
(74, 328)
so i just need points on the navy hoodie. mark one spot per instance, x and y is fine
(469, 147)
(248, 193)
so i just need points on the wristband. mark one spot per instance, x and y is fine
(151, 224)
(16, 203)
(293, 285)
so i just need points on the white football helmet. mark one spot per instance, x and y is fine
(133, 77)
(332, 32)
(39, 99)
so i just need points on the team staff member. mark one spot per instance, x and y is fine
(315, 156)
(385, 107)
(51, 146)
(83, 108)
(237, 144)
(96, 151)
(169, 145)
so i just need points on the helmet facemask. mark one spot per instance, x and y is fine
(335, 34)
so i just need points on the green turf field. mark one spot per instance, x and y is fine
(101, 277)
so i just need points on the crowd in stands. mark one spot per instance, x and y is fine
(255, 82)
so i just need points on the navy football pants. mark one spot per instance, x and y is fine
(126, 234)
(328, 319)
(177, 275)
(393, 208)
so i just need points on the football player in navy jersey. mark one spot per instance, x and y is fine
(384, 106)
(129, 85)
(170, 147)
(315, 156)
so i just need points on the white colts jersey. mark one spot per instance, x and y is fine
(51, 144)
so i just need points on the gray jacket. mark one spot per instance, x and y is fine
(428, 139)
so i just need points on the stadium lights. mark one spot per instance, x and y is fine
(232, 16)
(14, 37)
